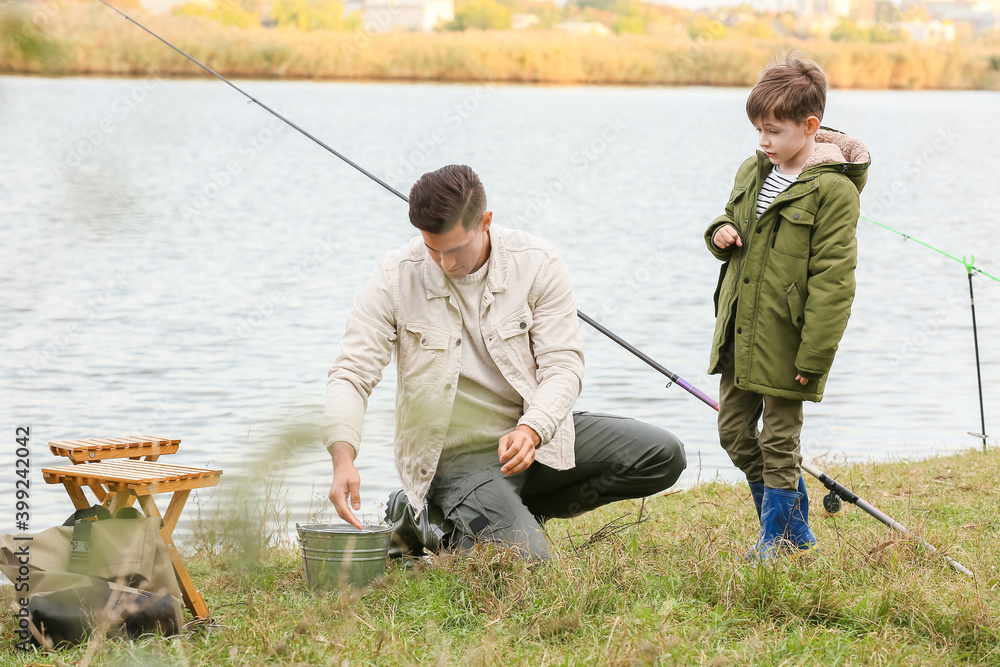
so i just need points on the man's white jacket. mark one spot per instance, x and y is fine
(404, 310)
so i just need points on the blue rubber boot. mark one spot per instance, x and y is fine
(799, 533)
(776, 513)
(757, 491)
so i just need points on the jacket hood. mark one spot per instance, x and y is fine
(836, 151)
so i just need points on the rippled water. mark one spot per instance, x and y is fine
(173, 262)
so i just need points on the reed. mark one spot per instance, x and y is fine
(87, 38)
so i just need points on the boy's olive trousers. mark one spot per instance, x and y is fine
(770, 455)
(616, 458)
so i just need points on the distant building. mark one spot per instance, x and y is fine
(417, 15)
(865, 12)
(929, 31)
(830, 12)
(732, 18)
(824, 8)
(979, 14)
(583, 28)
(161, 6)
(524, 21)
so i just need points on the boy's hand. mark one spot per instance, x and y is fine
(801, 380)
(726, 236)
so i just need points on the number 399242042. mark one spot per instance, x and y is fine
(22, 472)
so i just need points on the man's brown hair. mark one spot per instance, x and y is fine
(441, 199)
(793, 90)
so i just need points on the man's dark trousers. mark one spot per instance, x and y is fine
(616, 458)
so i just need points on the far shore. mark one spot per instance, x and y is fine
(194, 76)
(83, 40)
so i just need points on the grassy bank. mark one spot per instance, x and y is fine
(90, 39)
(671, 590)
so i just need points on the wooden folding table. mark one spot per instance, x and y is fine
(124, 480)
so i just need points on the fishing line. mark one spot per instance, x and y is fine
(835, 488)
(967, 263)
(971, 269)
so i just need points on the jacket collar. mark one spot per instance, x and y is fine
(435, 281)
(834, 151)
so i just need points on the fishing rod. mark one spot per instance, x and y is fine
(836, 488)
(851, 497)
(979, 374)
(971, 269)
(260, 104)
(674, 377)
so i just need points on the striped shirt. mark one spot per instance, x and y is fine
(775, 183)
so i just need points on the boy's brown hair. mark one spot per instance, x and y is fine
(793, 90)
(441, 199)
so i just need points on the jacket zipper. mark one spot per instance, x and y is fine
(739, 267)
(746, 241)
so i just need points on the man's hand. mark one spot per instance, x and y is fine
(346, 483)
(801, 380)
(726, 236)
(517, 449)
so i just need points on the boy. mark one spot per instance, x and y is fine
(784, 295)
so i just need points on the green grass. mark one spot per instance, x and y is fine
(671, 590)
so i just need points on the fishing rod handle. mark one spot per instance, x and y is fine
(876, 513)
(842, 491)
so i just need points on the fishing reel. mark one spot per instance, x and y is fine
(832, 502)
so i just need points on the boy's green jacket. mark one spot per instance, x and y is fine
(791, 285)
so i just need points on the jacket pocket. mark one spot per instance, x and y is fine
(515, 333)
(718, 286)
(422, 353)
(793, 231)
(515, 325)
(796, 306)
(515, 343)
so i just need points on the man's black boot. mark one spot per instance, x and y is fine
(410, 538)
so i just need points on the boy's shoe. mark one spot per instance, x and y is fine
(799, 533)
(776, 513)
(757, 492)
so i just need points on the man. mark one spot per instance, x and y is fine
(482, 322)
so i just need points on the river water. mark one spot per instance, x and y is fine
(175, 262)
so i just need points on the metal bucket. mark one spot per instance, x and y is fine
(339, 555)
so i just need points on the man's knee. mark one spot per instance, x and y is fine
(660, 461)
(668, 458)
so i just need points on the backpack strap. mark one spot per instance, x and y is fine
(79, 546)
